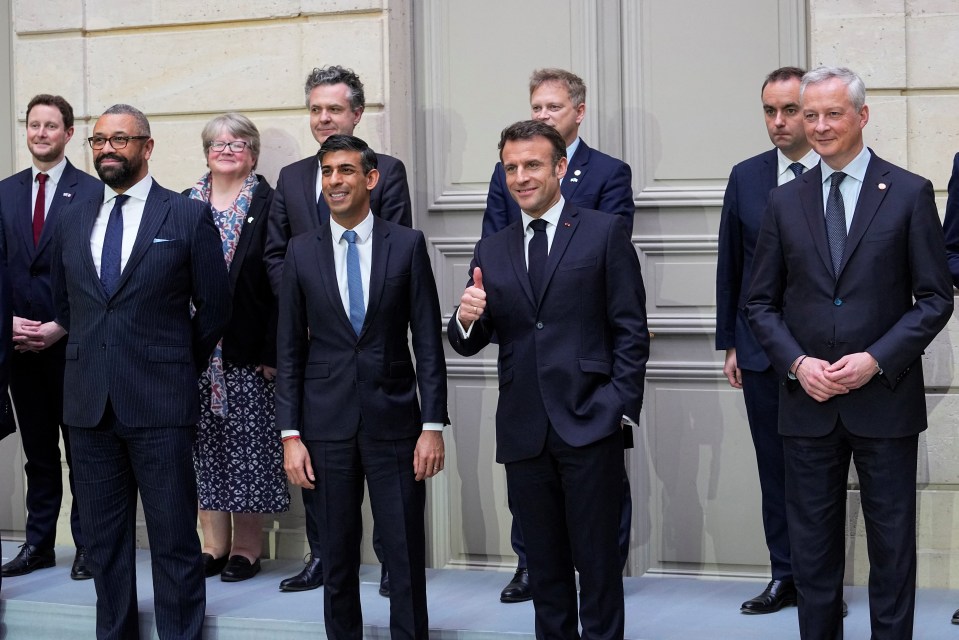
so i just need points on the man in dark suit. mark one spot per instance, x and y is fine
(30, 204)
(142, 290)
(346, 398)
(7, 425)
(850, 285)
(951, 228)
(746, 366)
(593, 180)
(563, 292)
(335, 98)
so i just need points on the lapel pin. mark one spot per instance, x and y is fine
(566, 224)
(250, 219)
(574, 179)
(577, 172)
(882, 186)
(67, 195)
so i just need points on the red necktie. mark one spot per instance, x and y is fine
(39, 208)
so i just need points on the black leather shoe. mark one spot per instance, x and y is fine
(518, 588)
(845, 612)
(776, 595)
(80, 570)
(310, 578)
(384, 581)
(239, 569)
(29, 560)
(213, 566)
(955, 617)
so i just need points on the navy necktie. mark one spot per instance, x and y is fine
(797, 168)
(836, 221)
(537, 255)
(354, 282)
(112, 246)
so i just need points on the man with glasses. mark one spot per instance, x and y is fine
(30, 205)
(335, 99)
(141, 288)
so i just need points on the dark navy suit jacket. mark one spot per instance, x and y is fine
(593, 180)
(29, 265)
(951, 222)
(575, 356)
(329, 381)
(744, 204)
(141, 349)
(893, 294)
(295, 210)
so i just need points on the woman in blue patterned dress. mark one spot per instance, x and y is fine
(238, 455)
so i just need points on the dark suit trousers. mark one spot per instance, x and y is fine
(114, 461)
(398, 504)
(568, 501)
(816, 478)
(36, 384)
(761, 393)
(625, 526)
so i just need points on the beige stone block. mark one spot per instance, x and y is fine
(872, 45)
(931, 7)
(939, 444)
(933, 136)
(834, 8)
(48, 64)
(933, 49)
(886, 131)
(30, 16)
(112, 14)
(216, 70)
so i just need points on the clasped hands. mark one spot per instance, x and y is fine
(473, 302)
(822, 380)
(33, 335)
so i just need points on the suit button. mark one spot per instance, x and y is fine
(539, 325)
(103, 346)
(837, 302)
(34, 274)
(356, 350)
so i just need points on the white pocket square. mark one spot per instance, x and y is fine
(156, 240)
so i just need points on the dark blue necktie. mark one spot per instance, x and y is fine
(797, 168)
(537, 255)
(354, 281)
(836, 221)
(112, 246)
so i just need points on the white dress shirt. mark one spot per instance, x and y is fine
(808, 161)
(132, 215)
(850, 186)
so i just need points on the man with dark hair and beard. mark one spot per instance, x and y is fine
(30, 204)
(141, 288)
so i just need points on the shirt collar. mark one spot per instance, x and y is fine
(551, 216)
(363, 230)
(571, 149)
(809, 161)
(856, 167)
(53, 174)
(140, 190)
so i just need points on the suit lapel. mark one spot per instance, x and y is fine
(380, 259)
(516, 249)
(576, 171)
(88, 216)
(768, 175)
(253, 218)
(155, 211)
(870, 197)
(64, 194)
(810, 195)
(326, 271)
(25, 213)
(319, 209)
(564, 233)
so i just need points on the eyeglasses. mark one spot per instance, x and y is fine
(117, 142)
(236, 146)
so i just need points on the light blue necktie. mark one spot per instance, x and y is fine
(354, 282)
(112, 244)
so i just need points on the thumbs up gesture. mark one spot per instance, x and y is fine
(473, 301)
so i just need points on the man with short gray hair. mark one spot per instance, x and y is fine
(850, 284)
